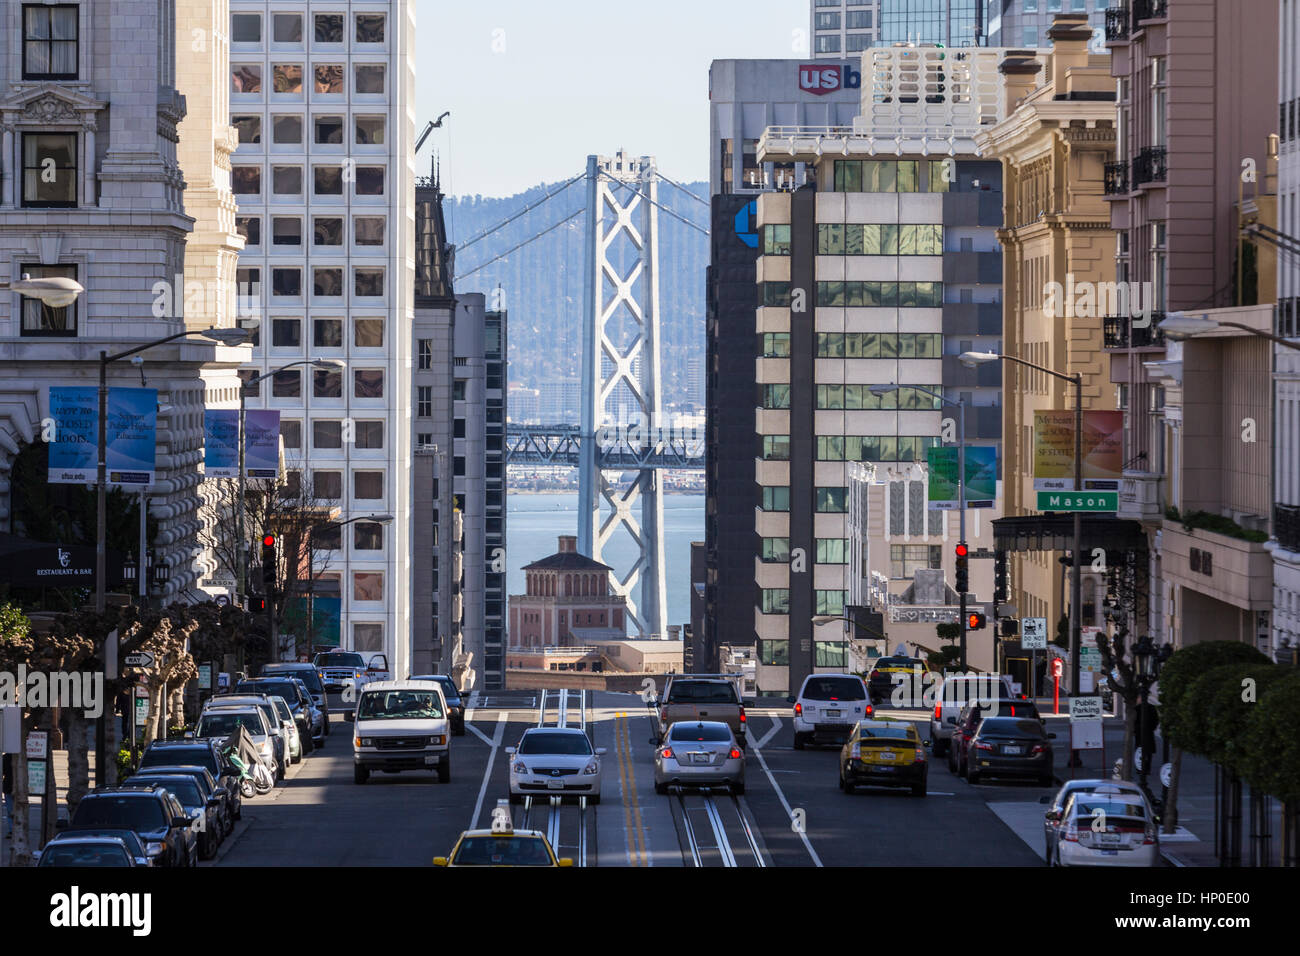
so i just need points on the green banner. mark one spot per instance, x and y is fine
(981, 477)
(1078, 500)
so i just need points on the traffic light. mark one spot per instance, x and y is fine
(268, 563)
(975, 620)
(963, 578)
(999, 575)
(1010, 627)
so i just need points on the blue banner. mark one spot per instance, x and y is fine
(981, 477)
(262, 443)
(221, 443)
(131, 435)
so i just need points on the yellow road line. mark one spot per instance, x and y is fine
(632, 811)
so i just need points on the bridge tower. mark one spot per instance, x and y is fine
(621, 374)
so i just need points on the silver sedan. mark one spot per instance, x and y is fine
(699, 754)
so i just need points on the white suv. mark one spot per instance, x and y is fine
(827, 708)
(401, 725)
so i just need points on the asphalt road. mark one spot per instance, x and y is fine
(793, 813)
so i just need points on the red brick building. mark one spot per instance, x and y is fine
(568, 600)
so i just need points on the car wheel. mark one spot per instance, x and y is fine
(516, 799)
(308, 744)
(798, 740)
(1046, 780)
(661, 788)
(1047, 854)
(444, 771)
(939, 746)
(279, 770)
(738, 789)
(459, 730)
(360, 774)
(594, 800)
(326, 723)
(972, 775)
(918, 790)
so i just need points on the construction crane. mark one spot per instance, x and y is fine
(433, 124)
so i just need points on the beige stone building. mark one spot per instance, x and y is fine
(1058, 134)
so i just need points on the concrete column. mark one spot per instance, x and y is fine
(88, 158)
(9, 162)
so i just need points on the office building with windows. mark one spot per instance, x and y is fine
(844, 28)
(1286, 367)
(324, 181)
(1026, 22)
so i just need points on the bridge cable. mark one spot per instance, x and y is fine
(657, 204)
(698, 199)
(520, 245)
(533, 205)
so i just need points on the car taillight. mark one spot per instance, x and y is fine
(981, 745)
(667, 752)
(1148, 835)
(1070, 832)
(663, 713)
(938, 712)
(870, 710)
(734, 755)
(855, 752)
(798, 709)
(742, 714)
(1038, 749)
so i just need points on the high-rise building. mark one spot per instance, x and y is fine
(844, 28)
(1013, 23)
(324, 181)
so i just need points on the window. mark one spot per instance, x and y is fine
(327, 484)
(286, 282)
(832, 550)
(826, 21)
(286, 129)
(327, 383)
(367, 586)
(776, 498)
(50, 42)
(245, 28)
(368, 383)
(287, 383)
(329, 28)
(830, 602)
(776, 549)
(245, 78)
(327, 282)
(286, 231)
(368, 434)
(327, 180)
(286, 180)
(327, 333)
(370, 28)
(370, 181)
(1158, 99)
(326, 434)
(287, 78)
(326, 538)
(776, 345)
(367, 485)
(249, 283)
(830, 654)
(246, 180)
(40, 319)
(370, 78)
(329, 77)
(858, 20)
(776, 396)
(291, 432)
(369, 536)
(248, 127)
(424, 401)
(368, 281)
(775, 600)
(251, 387)
(368, 333)
(367, 637)
(327, 231)
(776, 447)
(250, 227)
(458, 390)
(286, 28)
(369, 130)
(775, 653)
(776, 240)
(425, 349)
(905, 559)
(832, 500)
(50, 170)
(856, 43)
(827, 44)
(368, 230)
(328, 130)
(286, 333)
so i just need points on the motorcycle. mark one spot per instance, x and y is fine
(240, 753)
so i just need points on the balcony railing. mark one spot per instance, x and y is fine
(1119, 332)
(1286, 526)
(1149, 166)
(1150, 10)
(1116, 179)
(1117, 20)
(1140, 496)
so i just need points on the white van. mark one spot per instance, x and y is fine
(401, 725)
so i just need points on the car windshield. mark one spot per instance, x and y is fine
(1010, 727)
(173, 756)
(223, 723)
(709, 733)
(834, 688)
(399, 705)
(303, 672)
(141, 813)
(891, 734)
(183, 788)
(84, 854)
(701, 692)
(340, 660)
(502, 851)
(574, 745)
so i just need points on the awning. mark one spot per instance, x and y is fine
(25, 563)
(1055, 532)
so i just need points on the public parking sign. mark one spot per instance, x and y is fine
(1085, 708)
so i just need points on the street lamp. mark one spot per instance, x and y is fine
(55, 291)
(384, 519)
(961, 488)
(972, 359)
(1180, 325)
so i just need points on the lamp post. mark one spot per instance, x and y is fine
(1179, 325)
(961, 489)
(384, 519)
(55, 291)
(971, 359)
(223, 336)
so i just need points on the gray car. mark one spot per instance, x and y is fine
(700, 754)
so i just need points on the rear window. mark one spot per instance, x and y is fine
(834, 688)
(180, 756)
(1133, 809)
(280, 688)
(1010, 727)
(904, 663)
(701, 692)
(869, 734)
(140, 813)
(223, 723)
(708, 733)
(303, 672)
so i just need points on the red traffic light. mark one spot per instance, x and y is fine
(268, 541)
(975, 620)
(962, 550)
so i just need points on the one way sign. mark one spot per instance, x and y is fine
(139, 659)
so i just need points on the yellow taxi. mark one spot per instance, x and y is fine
(502, 845)
(884, 753)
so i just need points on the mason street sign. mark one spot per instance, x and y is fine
(1078, 500)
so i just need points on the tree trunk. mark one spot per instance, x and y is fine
(156, 715)
(78, 758)
(22, 851)
(1169, 823)
(1130, 728)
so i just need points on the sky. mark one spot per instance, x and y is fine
(534, 87)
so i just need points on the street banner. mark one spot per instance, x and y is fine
(981, 477)
(327, 613)
(261, 443)
(221, 442)
(1103, 450)
(131, 435)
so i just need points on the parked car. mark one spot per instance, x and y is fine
(297, 696)
(455, 703)
(194, 751)
(955, 693)
(401, 725)
(555, 761)
(1056, 809)
(275, 726)
(290, 727)
(222, 722)
(827, 707)
(1010, 747)
(308, 674)
(150, 811)
(884, 753)
(696, 698)
(203, 808)
(1106, 829)
(210, 787)
(700, 754)
(84, 851)
(130, 839)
